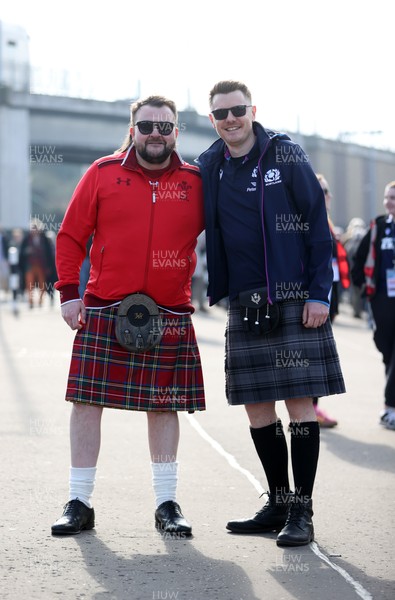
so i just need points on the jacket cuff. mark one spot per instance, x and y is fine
(319, 302)
(69, 292)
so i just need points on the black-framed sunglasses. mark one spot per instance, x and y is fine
(240, 110)
(147, 127)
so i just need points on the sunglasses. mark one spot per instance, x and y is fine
(240, 110)
(326, 191)
(147, 127)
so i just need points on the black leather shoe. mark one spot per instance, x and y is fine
(76, 517)
(169, 519)
(298, 529)
(271, 517)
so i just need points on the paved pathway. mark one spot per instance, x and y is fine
(124, 557)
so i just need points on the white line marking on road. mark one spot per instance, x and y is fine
(233, 463)
(357, 586)
(231, 459)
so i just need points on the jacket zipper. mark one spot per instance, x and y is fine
(270, 301)
(101, 262)
(154, 187)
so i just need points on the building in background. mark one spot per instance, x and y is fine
(48, 140)
(15, 194)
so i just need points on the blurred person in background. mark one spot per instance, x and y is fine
(341, 279)
(4, 266)
(18, 286)
(36, 262)
(351, 239)
(52, 275)
(373, 272)
(341, 270)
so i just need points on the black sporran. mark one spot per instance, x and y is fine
(257, 314)
(138, 325)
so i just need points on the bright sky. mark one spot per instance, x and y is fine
(323, 67)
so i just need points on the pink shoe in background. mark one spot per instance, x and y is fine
(323, 419)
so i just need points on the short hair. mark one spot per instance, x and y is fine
(157, 102)
(389, 185)
(226, 87)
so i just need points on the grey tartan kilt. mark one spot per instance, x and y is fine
(290, 362)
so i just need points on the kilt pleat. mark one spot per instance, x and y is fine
(290, 362)
(167, 378)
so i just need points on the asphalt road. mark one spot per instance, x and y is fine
(124, 557)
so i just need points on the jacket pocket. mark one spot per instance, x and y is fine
(188, 276)
(101, 259)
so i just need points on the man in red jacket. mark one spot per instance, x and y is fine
(135, 346)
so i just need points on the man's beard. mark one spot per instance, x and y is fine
(156, 159)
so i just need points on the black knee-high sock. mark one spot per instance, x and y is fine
(305, 447)
(271, 447)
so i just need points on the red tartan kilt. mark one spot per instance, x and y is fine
(167, 378)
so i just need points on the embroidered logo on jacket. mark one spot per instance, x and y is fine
(272, 176)
(127, 181)
(253, 187)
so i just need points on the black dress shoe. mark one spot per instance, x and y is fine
(271, 517)
(76, 517)
(169, 519)
(298, 529)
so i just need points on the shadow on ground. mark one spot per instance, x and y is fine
(178, 570)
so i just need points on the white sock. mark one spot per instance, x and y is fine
(164, 481)
(81, 484)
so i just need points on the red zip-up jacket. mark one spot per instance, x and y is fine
(144, 231)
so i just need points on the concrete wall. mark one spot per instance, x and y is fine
(14, 167)
(356, 175)
(37, 129)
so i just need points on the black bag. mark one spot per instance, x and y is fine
(138, 326)
(257, 314)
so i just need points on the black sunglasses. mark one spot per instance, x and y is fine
(325, 190)
(147, 127)
(240, 110)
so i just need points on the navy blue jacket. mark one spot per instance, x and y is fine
(297, 240)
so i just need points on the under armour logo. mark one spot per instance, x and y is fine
(127, 181)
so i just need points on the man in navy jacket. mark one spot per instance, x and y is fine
(269, 250)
